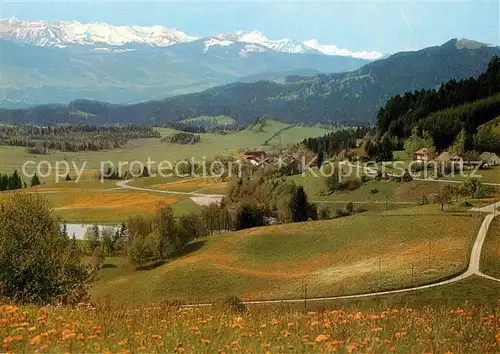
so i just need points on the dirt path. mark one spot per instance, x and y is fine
(198, 198)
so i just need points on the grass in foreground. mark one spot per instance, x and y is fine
(357, 254)
(161, 328)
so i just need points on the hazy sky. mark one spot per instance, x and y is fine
(385, 26)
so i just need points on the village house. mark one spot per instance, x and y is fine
(449, 157)
(489, 159)
(425, 154)
(256, 158)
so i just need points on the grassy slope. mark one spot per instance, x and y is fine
(397, 192)
(343, 256)
(491, 255)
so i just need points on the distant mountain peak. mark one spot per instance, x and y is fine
(258, 38)
(64, 33)
(466, 43)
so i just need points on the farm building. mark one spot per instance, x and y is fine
(490, 159)
(256, 158)
(450, 157)
(425, 154)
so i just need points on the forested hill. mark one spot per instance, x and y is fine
(443, 113)
(350, 97)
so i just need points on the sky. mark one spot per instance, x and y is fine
(383, 26)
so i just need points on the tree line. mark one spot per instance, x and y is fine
(11, 182)
(204, 126)
(436, 110)
(44, 139)
(182, 138)
(333, 143)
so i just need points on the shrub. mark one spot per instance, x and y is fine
(359, 209)
(466, 204)
(324, 212)
(352, 184)
(248, 216)
(407, 177)
(340, 213)
(349, 208)
(374, 191)
(38, 264)
(234, 303)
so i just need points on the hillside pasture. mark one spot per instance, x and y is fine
(351, 255)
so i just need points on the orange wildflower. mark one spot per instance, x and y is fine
(322, 337)
(8, 339)
(35, 340)
(352, 348)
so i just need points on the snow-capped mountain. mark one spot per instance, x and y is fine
(261, 42)
(64, 33)
(334, 50)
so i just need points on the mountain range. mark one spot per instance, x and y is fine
(57, 62)
(66, 33)
(349, 97)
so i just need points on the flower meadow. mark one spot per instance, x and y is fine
(259, 329)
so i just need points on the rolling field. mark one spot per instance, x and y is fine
(343, 256)
(185, 185)
(91, 201)
(211, 145)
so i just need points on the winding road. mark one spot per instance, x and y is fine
(198, 198)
